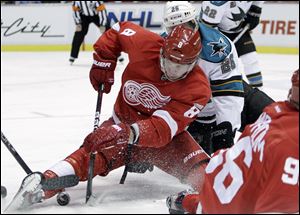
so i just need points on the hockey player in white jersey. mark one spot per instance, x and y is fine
(221, 117)
(231, 17)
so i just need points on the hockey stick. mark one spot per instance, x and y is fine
(93, 154)
(127, 160)
(246, 28)
(15, 154)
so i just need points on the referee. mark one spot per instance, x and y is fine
(84, 13)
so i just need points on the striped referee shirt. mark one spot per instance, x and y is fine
(89, 8)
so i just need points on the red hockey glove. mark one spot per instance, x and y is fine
(102, 72)
(105, 137)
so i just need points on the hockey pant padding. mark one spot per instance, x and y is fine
(252, 69)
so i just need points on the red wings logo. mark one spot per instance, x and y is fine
(145, 94)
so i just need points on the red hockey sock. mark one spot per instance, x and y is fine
(49, 193)
(80, 162)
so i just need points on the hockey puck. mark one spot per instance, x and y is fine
(63, 199)
(3, 192)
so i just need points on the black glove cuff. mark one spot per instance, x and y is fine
(254, 11)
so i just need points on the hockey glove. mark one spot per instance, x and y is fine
(201, 132)
(253, 16)
(102, 72)
(105, 137)
(185, 202)
(222, 136)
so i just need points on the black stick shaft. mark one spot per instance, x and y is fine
(15, 154)
(89, 190)
(238, 37)
(127, 160)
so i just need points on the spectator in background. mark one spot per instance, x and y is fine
(84, 13)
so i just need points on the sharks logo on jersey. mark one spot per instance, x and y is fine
(218, 47)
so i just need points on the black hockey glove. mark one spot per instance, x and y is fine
(140, 167)
(222, 136)
(253, 17)
(201, 132)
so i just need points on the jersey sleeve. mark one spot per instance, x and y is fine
(137, 42)
(102, 12)
(173, 118)
(76, 12)
(212, 12)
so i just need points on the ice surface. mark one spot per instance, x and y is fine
(47, 108)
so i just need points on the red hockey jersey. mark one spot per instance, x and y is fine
(260, 173)
(161, 108)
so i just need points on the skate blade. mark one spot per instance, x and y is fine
(30, 184)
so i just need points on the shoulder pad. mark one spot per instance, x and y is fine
(215, 45)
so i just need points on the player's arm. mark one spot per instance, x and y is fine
(160, 128)
(102, 13)
(253, 14)
(227, 90)
(76, 15)
(228, 99)
(122, 37)
(164, 124)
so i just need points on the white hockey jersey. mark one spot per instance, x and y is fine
(219, 61)
(227, 15)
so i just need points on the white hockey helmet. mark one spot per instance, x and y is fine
(178, 12)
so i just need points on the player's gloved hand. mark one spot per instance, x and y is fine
(107, 136)
(185, 202)
(78, 28)
(253, 16)
(222, 136)
(102, 72)
(201, 132)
